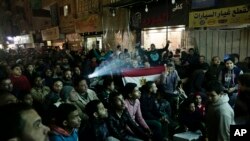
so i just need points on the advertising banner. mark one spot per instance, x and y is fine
(220, 17)
(91, 24)
(50, 34)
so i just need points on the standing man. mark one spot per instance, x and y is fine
(220, 114)
(155, 55)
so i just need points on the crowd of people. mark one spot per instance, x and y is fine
(49, 95)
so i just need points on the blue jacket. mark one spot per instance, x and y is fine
(62, 136)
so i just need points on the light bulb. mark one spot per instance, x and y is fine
(173, 1)
(146, 8)
(113, 12)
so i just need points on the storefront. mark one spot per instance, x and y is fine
(221, 31)
(160, 22)
(93, 39)
(75, 41)
(52, 37)
(90, 27)
(23, 41)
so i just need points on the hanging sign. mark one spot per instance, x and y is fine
(91, 24)
(220, 17)
(24, 39)
(50, 34)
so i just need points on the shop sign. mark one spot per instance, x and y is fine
(91, 24)
(50, 34)
(24, 39)
(73, 37)
(220, 17)
(178, 13)
(158, 20)
(161, 14)
(177, 7)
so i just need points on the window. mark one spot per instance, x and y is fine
(66, 10)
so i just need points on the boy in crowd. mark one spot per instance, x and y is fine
(67, 120)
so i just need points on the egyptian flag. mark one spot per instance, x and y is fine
(141, 75)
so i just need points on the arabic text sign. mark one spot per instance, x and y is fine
(91, 24)
(50, 34)
(220, 17)
(24, 39)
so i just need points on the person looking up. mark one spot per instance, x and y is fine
(20, 122)
(67, 122)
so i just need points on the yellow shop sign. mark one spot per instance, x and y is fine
(219, 17)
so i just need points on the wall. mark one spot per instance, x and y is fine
(116, 30)
(41, 23)
(219, 42)
(47, 3)
(67, 23)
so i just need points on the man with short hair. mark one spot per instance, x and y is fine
(96, 129)
(85, 94)
(120, 120)
(220, 115)
(20, 122)
(67, 122)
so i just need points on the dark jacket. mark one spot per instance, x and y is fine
(118, 126)
(214, 72)
(149, 108)
(96, 130)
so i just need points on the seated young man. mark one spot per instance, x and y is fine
(67, 120)
(20, 122)
(96, 129)
(119, 121)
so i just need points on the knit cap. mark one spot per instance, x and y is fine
(65, 92)
(228, 57)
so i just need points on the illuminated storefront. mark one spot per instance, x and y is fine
(159, 22)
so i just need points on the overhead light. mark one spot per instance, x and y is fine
(173, 1)
(112, 11)
(10, 38)
(146, 8)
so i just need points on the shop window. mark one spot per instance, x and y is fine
(65, 10)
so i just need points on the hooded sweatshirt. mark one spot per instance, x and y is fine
(220, 116)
